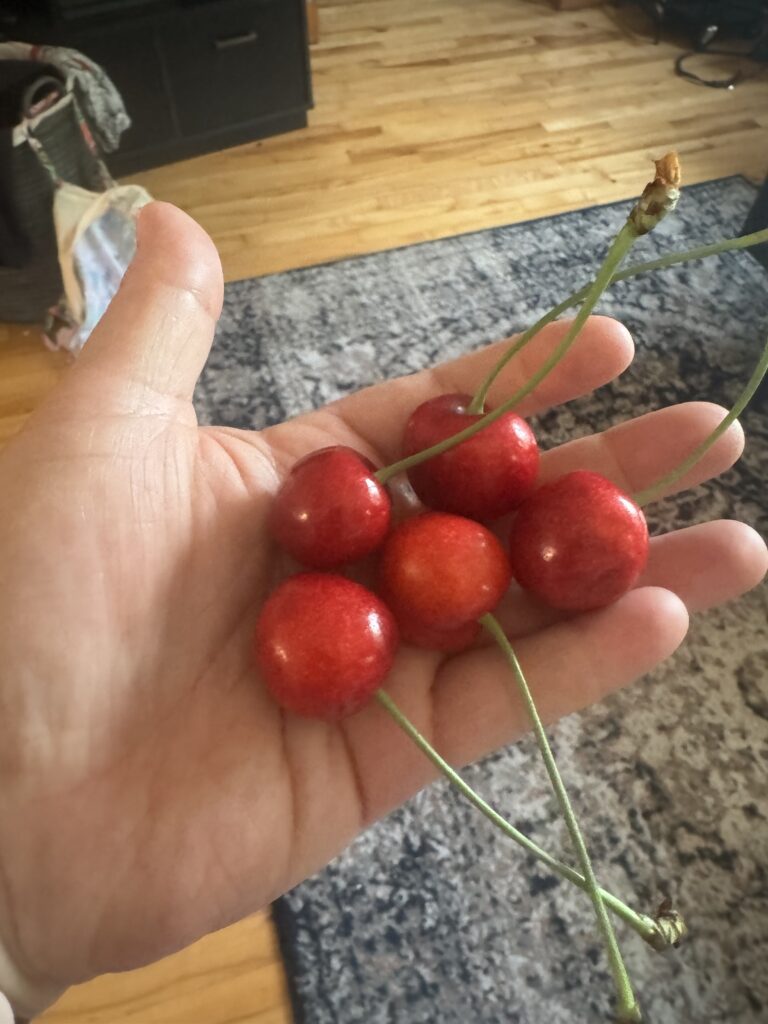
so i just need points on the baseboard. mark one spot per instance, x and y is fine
(575, 5)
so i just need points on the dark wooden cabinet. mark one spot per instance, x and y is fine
(196, 75)
(135, 63)
(250, 53)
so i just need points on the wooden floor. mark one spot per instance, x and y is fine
(431, 118)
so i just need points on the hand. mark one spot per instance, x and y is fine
(150, 791)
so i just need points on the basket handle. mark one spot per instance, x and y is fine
(34, 92)
(39, 149)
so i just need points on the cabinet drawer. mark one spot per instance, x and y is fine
(234, 61)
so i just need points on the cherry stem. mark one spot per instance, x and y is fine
(477, 404)
(628, 1009)
(620, 246)
(655, 932)
(658, 199)
(657, 489)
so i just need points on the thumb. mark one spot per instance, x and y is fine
(158, 329)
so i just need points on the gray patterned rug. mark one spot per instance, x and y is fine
(432, 916)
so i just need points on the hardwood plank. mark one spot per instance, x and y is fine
(313, 21)
(230, 977)
(431, 119)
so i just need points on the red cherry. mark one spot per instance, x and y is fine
(578, 542)
(331, 509)
(442, 571)
(324, 644)
(482, 478)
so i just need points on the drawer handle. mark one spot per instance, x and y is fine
(242, 39)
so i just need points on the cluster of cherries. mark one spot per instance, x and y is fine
(324, 643)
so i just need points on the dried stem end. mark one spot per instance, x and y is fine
(670, 928)
(659, 197)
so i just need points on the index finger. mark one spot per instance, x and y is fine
(378, 414)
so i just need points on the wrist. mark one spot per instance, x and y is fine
(26, 998)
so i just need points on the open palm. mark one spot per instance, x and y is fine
(150, 790)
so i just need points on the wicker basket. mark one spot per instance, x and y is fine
(61, 151)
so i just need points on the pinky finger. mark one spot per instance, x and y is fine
(707, 564)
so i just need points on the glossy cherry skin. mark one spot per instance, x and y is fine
(324, 644)
(578, 543)
(442, 571)
(482, 478)
(330, 509)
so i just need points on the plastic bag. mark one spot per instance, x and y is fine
(96, 236)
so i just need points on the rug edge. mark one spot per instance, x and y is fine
(286, 928)
(477, 231)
